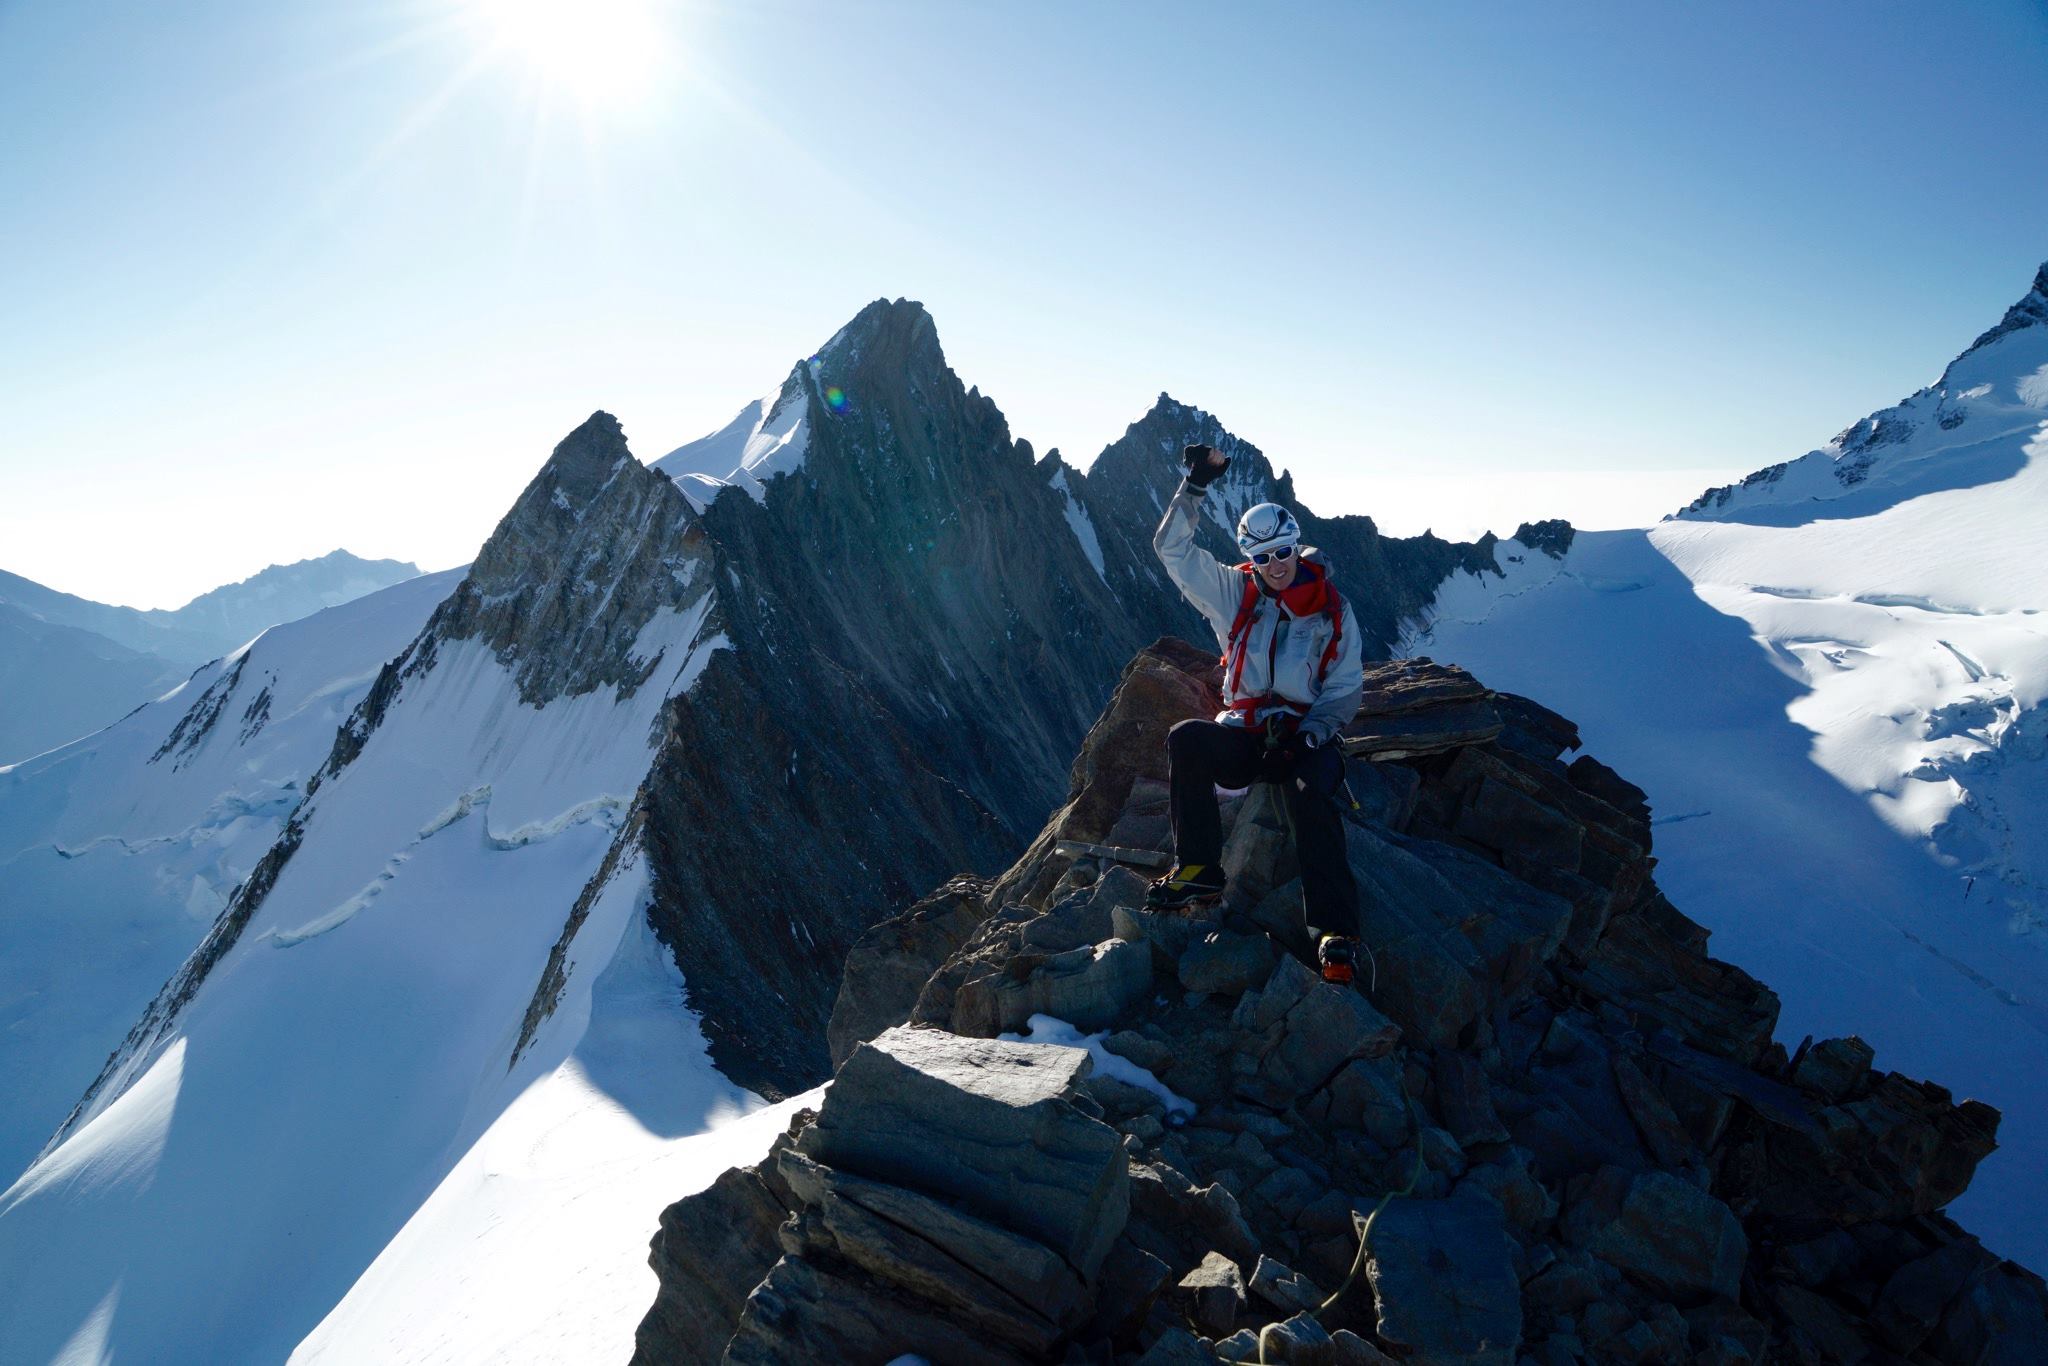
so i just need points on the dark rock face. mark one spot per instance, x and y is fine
(1606, 1156)
(1719, 496)
(889, 965)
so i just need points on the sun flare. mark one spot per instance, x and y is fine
(603, 52)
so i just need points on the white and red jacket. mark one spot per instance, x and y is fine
(1297, 652)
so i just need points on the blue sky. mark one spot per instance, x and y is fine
(279, 278)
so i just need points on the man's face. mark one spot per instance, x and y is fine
(1278, 572)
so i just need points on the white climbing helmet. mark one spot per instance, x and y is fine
(1266, 526)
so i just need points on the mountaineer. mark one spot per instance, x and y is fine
(1293, 672)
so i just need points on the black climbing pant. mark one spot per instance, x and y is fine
(1206, 755)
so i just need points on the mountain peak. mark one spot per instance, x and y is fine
(1168, 408)
(583, 460)
(594, 546)
(893, 324)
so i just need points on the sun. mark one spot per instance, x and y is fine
(602, 52)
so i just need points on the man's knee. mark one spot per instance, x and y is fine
(1189, 737)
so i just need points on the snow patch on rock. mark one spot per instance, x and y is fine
(770, 437)
(1078, 520)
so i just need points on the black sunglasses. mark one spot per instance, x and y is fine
(1285, 552)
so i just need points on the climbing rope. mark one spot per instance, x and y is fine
(1364, 1227)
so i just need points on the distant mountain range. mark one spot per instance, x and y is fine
(69, 665)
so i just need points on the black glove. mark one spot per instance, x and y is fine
(1204, 463)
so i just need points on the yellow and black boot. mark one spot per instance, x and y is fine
(1189, 884)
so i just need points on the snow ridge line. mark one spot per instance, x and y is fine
(223, 813)
(605, 808)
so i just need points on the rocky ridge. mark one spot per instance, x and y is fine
(1606, 1156)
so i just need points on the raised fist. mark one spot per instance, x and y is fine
(1203, 463)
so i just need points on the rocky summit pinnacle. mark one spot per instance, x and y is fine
(1571, 1127)
(902, 323)
(593, 548)
(584, 459)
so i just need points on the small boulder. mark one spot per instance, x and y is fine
(1511, 1184)
(1154, 1055)
(1349, 1349)
(1214, 1292)
(889, 965)
(1130, 1282)
(2000, 1318)
(1305, 1030)
(1282, 1287)
(1088, 987)
(1367, 1095)
(1167, 935)
(1299, 1341)
(1911, 1303)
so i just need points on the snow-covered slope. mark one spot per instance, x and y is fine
(1829, 679)
(118, 851)
(417, 948)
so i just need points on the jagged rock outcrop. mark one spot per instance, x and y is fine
(615, 541)
(1608, 1157)
(1388, 580)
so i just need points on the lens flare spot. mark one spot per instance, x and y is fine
(835, 399)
